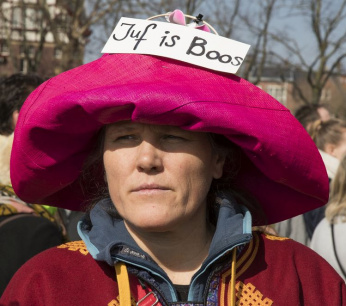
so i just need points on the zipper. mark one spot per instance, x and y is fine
(207, 284)
(238, 242)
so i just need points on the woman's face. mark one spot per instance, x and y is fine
(338, 150)
(159, 176)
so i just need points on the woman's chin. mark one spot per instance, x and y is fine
(151, 225)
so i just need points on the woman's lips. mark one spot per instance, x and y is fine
(150, 188)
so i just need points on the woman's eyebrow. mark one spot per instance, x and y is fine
(122, 128)
(165, 128)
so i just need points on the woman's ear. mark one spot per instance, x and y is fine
(219, 162)
(330, 149)
(15, 115)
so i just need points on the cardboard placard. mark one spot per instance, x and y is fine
(178, 42)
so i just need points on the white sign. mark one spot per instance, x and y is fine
(176, 41)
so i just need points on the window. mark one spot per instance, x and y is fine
(3, 60)
(62, 21)
(16, 34)
(58, 53)
(27, 51)
(23, 65)
(16, 17)
(31, 51)
(22, 50)
(279, 92)
(27, 18)
(4, 48)
(32, 17)
(326, 95)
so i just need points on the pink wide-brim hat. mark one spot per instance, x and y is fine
(59, 123)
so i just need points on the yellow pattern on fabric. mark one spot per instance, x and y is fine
(117, 302)
(75, 246)
(248, 257)
(248, 296)
(252, 257)
(7, 190)
(7, 210)
(40, 210)
(271, 237)
(241, 260)
(246, 254)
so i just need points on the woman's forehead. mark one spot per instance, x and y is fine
(128, 126)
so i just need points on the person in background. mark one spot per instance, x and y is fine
(307, 114)
(174, 163)
(330, 138)
(13, 92)
(25, 229)
(328, 239)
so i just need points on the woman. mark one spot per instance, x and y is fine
(328, 238)
(25, 229)
(182, 159)
(330, 138)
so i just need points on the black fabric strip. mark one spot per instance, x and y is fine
(182, 291)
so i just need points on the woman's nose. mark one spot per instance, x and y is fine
(149, 158)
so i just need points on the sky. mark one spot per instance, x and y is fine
(289, 22)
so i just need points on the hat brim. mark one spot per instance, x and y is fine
(59, 122)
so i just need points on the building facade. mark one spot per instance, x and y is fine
(284, 85)
(34, 37)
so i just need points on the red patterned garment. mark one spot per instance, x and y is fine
(269, 271)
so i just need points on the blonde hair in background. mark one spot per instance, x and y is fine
(327, 132)
(337, 204)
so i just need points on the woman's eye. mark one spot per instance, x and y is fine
(173, 137)
(125, 138)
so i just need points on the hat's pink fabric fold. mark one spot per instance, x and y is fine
(59, 123)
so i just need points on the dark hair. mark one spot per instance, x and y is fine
(13, 92)
(96, 189)
(226, 186)
(307, 114)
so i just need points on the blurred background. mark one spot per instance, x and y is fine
(297, 54)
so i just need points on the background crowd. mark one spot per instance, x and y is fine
(25, 228)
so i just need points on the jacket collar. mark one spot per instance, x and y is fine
(107, 238)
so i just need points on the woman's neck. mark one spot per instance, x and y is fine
(179, 253)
